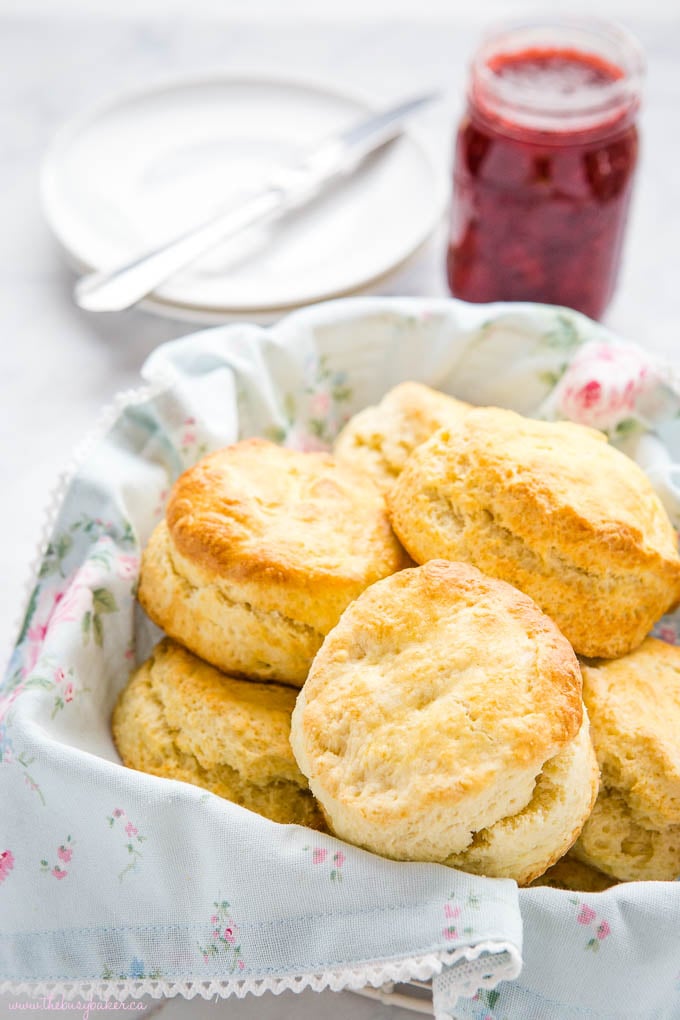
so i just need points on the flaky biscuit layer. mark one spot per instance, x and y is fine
(215, 620)
(379, 439)
(634, 706)
(182, 719)
(554, 510)
(523, 846)
(618, 843)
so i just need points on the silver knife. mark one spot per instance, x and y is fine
(291, 186)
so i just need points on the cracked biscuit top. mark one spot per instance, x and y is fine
(295, 532)
(551, 508)
(261, 551)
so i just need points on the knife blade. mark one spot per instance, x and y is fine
(290, 187)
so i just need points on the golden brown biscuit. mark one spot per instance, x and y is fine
(569, 873)
(529, 842)
(442, 721)
(261, 550)
(614, 841)
(380, 439)
(634, 705)
(182, 719)
(551, 508)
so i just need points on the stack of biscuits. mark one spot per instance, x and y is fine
(432, 643)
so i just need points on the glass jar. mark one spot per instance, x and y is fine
(544, 164)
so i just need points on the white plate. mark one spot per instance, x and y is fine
(136, 172)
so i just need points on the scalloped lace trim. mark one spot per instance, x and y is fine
(375, 975)
(470, 975)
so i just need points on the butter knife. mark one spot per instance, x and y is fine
(290, 186)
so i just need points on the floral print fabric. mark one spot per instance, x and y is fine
(147, 879)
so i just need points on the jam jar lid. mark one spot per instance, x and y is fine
(557, 75)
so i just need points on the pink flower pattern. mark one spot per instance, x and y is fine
(132, 843)
(223, 938)
(454, 911)
(159, 509)
(585, 915)
(43, 675)
(588, 917)
(70, 606)
(320, 404)
(311, 422)
(65, 854)
(127, 567)
(667, 631)
(604, 385)
(6, 864)
(320, 856)
(84, 600)
(65, 595)
(190, 443)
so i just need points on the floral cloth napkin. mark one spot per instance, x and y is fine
(120, 884)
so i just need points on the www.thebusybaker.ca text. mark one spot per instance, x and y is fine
(82, 1006)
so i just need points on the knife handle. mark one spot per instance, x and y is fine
(122, 287)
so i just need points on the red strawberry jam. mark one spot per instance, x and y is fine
(544, 166)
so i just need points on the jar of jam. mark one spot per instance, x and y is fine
(544, 164)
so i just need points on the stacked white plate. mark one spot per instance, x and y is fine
(147, 166)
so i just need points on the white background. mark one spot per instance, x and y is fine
(59, 366)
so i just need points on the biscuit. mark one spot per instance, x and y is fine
(634, 706)
(182, 719)
(551, 508)
(616, 842)
(442, 721)
(380, 439)
(261, 550)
